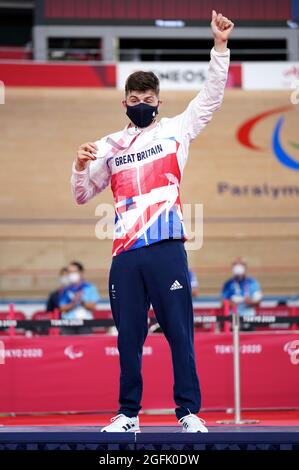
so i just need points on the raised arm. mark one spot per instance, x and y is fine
(200, 110)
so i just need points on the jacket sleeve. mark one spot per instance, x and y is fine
(88, 183)
(200, 110)
(226, 291)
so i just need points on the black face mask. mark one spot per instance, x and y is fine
(142, 114)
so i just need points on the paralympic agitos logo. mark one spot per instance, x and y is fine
(281, 154)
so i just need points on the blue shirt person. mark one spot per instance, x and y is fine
(79, 299)
(194, 283)
(55, 296)
(243, 291)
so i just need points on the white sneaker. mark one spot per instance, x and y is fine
(192, 423)
(122, 423)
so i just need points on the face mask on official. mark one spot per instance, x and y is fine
(239, 270)
(142, 114)
(74, 277)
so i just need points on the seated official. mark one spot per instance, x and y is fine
(79, 299)
(242, 291)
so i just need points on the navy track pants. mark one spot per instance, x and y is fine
(156, 274)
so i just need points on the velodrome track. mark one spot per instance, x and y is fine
(42, 228)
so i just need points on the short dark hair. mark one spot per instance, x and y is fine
(142, 81)
(78, 265)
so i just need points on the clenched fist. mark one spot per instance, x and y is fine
(85, 153)
(221, 28)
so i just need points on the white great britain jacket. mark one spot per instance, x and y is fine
(145, 167)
